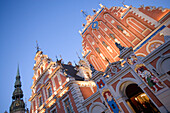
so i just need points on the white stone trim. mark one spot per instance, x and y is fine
(146, 18)
(47, 87)
(114, 33)
(103, 46)
(137, 54)
(87, 37)
(53, 83)
(43, 89)
(166, 31)
(119, 30)
(78, 98)
(151, 42)
(159, 62)
(129, 19)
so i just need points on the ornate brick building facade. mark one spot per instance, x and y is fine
(59, 87)
(139, 82)
(142, 28)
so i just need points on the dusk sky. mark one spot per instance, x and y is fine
(54, 24)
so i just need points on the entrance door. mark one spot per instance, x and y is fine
(139, 101)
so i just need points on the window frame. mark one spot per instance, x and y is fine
(54, 108)
(40, 103)
(48, 85)
(70, 104)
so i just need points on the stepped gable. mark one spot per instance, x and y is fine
(151, 11)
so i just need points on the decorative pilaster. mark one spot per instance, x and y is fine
(78, 98)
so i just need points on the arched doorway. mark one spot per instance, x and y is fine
(97, 107)
(139, 101)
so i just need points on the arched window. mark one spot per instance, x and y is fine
(94, 62)
(41, 69)
(151, 46)
(138, 100)
(38, 72)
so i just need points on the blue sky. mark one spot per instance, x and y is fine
(55, 24)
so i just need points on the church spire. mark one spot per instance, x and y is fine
(17, 82)
(17, 97)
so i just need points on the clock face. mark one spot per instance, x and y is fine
(17, 104)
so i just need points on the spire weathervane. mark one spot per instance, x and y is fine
(124, 4)
(37, 47)
(84, 13)
(78, 56)
(56, 58)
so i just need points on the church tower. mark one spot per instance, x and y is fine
(144, 29)
(18, 105)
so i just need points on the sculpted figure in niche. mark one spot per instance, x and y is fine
(148, 77)
(110, 100)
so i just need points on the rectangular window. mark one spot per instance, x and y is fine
(54, 111)
(49, 92)
(68, 106)
(40, 101)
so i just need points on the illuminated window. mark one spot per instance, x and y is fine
(49, 91)
(40, 101)
(68, 106)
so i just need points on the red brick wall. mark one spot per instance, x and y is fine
(86, 92)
